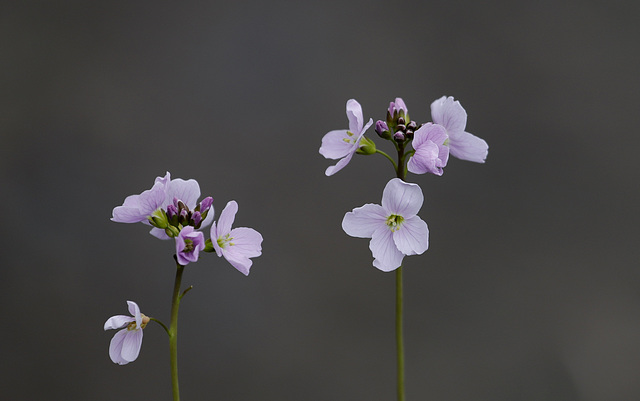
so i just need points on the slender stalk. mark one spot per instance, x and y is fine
(399, 335)
(401, 172)
(395, 166)
(173, 332)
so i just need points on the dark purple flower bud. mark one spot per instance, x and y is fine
(412, 126)
(401, 121)
(409, 134)
(398, 136)
(401, 127)
(182, 206)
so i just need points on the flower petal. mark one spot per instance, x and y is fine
(334, 146)
(226, 219)
(134, 309)
(469, 147)
(354, 114)
(137, 208)
(118, 322)
(424, 160)
(413, 236)
(449, 112)
(384, 250)
(331, 170)
(246, 243)
(115, 347)
(187, 191)
(131, 345)
(402, 198)
(364, 220)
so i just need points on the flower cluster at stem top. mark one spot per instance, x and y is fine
(171, 207)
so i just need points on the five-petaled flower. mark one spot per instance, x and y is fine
(342, 144)
(449, 113)
(431, 153)
(394, 228)
(236, 245)
(125, 344)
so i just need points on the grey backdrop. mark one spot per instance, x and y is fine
(530, 289)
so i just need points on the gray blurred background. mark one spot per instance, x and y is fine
(530, 289)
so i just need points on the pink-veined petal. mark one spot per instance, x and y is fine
(449, 112)
(402, 198)
(131, 345)
(413, 236)
(364, 220)
(469, 147)
(115, 347)
(136, 208)
(386, 254)
(354, 114)
(209, 219)
(118, 322)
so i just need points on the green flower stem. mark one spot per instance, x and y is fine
(401, 172)
(161, 324)
(395, 167)
(173, 332)
(399, 335)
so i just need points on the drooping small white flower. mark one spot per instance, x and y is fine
(126, 343)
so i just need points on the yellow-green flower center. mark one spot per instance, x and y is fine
(349, 139)
(225, 240)
(394, 222)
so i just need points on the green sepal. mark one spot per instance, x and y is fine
(172, 231)
(159, 219)
(367, 146)
(208, 246)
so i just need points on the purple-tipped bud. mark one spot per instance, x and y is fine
(381, 127)
(401, 127)
(398, 136)
(205, 204)
(196, 218)
(401, 121)
(412, 126)
(397, 106)
(172, 210)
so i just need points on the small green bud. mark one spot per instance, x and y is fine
(159, 219)
(172, 231)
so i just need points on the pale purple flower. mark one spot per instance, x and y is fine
(449, 113)
(342, 144)
(125, 344)
(394, 228)
(189, 243)
(236, 245)
(138, 208)
(431, 153)
(187, 191)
